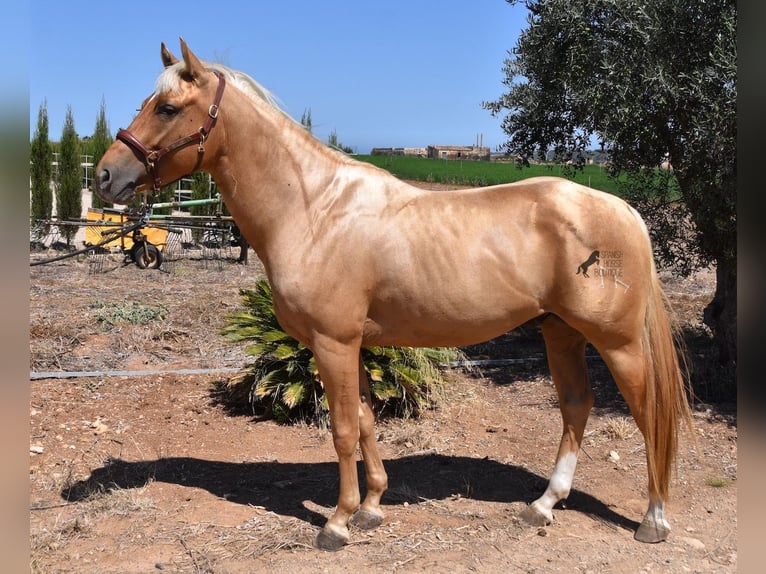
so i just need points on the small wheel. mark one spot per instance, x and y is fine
(147, 256)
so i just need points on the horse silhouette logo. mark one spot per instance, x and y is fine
(593, 258)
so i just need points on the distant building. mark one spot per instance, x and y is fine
(471, 152)
(387, 151)
(408, 151)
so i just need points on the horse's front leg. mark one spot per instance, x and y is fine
(338, 365)
(369, 514)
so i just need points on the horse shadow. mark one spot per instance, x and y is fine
(282, 487)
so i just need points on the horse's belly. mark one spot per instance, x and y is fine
(418, 326)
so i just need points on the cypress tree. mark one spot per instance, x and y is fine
(306, 120)
(200, 189)
(165, 195)
(99, 143)
(69, 184)
(41, 171)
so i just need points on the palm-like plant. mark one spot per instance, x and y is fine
(283, 381)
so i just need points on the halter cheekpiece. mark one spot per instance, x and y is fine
(151, 157)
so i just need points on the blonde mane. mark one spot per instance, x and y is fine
(169, 81)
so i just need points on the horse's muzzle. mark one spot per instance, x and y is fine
(111, 190)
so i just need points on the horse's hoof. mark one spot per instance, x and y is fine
(652, 532)
(532, 516)
(330, 540)
(366, 520)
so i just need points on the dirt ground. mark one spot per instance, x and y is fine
(144, 473)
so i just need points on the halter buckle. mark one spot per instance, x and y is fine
(202, 138)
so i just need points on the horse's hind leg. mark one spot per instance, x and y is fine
(627, 366)
(566, 359)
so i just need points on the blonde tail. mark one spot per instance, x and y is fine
(666, 390)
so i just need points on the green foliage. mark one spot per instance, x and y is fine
(406, 380)
(110, 314)
(40, 170)
(655, 193)
(200, 189)
(283, 381)
(166, 194)
(332, 141)
(69, 181)
(98, 144)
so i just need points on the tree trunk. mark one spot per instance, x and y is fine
(721, 313)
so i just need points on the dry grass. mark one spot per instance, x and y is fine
(74, 521)
(620, 428)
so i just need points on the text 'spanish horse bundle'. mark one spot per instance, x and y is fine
(356, 257)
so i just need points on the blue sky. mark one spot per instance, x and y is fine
(380, 73)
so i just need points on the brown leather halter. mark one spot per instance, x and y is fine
(151, 157)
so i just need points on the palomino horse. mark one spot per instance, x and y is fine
(356, 257)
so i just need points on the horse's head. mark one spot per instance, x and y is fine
(167, 138)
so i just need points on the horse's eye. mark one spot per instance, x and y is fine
(167, 110)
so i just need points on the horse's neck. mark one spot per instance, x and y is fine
(272, 173)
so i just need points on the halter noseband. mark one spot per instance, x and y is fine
(152, 157)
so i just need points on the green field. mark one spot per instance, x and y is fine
(482, 173)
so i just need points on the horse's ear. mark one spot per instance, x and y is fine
(168, 59)
(194, 70)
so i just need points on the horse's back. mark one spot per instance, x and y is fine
(478, 262)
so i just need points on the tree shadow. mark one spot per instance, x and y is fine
(283, 487)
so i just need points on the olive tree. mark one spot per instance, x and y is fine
(655, 81)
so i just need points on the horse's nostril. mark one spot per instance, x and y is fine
(103, 180)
